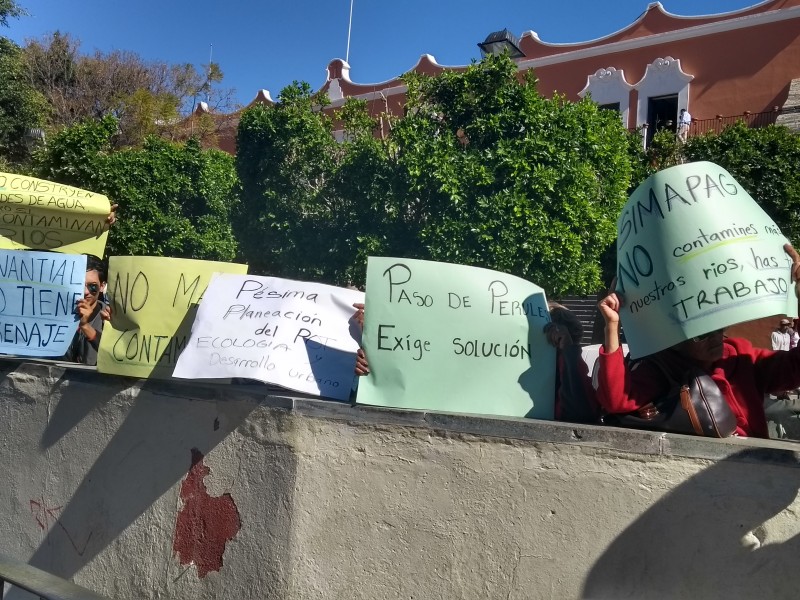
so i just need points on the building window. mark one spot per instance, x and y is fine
(663, 91)
(609, 89)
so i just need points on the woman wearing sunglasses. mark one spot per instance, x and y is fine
(743, 374)
(91, 311)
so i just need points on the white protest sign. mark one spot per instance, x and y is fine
(295, 334)
(695, 253)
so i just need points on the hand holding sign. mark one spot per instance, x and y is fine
(789, 249)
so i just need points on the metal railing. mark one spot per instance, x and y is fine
(40, 583)
(719, 122)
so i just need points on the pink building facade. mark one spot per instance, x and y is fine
(718, 67)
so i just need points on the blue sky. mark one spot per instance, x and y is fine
(270, 44)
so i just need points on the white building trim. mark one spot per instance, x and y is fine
(608, 86)
(662, 77)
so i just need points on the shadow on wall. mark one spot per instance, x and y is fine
(162, 437)
(710, 537)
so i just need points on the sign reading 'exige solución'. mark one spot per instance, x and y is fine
(695, 253)
(456, 338)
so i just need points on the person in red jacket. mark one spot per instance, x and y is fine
(744, 374)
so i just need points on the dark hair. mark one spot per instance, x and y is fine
(94, 263)
(563, 316)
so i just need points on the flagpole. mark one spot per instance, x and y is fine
(349, 28)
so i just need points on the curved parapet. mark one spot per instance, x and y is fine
(663, 76)
(262, 97)
(339, 69)
(653, 21)
(608, 86)
(339, 86)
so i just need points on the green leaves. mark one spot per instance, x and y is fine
(480, 170)
(174, 199)
(21, 106)
(765, 162)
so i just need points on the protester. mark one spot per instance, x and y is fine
(575, 399)
(782, 336)
(91, 312)
(91, 309)
(744, 374)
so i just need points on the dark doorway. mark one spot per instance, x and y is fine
(662, 113)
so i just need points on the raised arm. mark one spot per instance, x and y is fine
(622, 387)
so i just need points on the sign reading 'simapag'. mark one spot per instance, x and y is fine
(44, 215)
(695, 253)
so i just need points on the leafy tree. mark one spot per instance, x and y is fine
(286, 155)
(507, 179)
(147, 98)
(21, 107)
(764, 161)
(10, 9)
(480, 170)
(174, 199)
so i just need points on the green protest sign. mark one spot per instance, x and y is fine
(695, 253)
(455, 338)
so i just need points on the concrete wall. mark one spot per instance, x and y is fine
(295, 498)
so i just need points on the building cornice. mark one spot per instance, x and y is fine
(604, 49)
(696, 31)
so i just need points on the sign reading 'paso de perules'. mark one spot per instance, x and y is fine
(456, 338)
(696, 253)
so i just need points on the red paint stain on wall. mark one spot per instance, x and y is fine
(205, 523)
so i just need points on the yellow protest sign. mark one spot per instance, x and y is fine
(153, 305)
(42, 215)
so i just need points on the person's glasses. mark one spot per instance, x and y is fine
(705, 336)
(93, 288)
